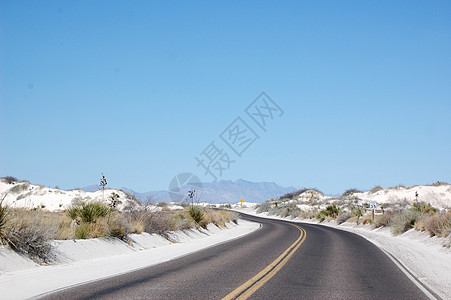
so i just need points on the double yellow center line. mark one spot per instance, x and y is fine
(252, 285)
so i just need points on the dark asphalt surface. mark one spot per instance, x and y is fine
(330, 264)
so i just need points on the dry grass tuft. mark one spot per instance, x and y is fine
(218, 217)
(376, 189)
(438, 225)
(383, 220)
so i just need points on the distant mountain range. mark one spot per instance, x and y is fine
(224, 191)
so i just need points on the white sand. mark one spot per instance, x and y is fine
(37, 196)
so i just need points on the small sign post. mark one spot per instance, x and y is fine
(373, 207)
(241, 203)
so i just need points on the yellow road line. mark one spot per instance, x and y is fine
(245, 290)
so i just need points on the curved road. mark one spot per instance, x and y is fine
(278, 261)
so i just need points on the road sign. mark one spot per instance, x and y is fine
(373, 205)
(241, 200)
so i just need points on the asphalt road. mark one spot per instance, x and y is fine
(310, 262)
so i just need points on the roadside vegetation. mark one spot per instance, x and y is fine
(399, 217)
(30, 231)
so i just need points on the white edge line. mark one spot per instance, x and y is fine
(404, 269)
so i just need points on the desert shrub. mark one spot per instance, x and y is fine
(376, 189)
(157, 222)
(264, 207)
(88, 212)
(320, 216)
(218, 217)
(367, 220)
(423, 207)
(119, 227)
(162, 204)
(397, 187)
(137, 226)
(19, 188)
(294, 194)
(306, 214)
(182, 221)
(439, 183)
(285, 210)
(161, 222)
(358, 213)
(331, 211)
(136, 220)
(118, 232)
(343, 217)
(353, 219)
(275, 210)
(27, 233)
(10, 179)
(293, 211)
(438, 225)
(196, 213)
(383, 220)
(83, 231)
(5, 217)
(31, 241)
(349, 192)
(401, 222)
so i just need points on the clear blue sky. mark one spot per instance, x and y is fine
(138, 90)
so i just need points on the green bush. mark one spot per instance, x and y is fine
(19, 188)
(404, 221)
(83, 231)
(196, 214)
(423, 207)
(10, 179)
(330, 211)
(349, 192)
(295, 194)
(88, 212)
(357, 212)
(376, 189)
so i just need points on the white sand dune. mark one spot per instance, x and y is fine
(31, 196)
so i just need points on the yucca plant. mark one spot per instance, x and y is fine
(88, 212)
(103, 183)
(358, 212)
(196, 213)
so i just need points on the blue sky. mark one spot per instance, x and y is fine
(138, 90)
